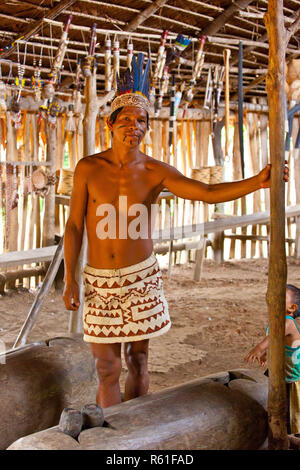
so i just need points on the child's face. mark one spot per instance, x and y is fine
(291, 307)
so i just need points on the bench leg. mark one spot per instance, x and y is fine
(200, 255)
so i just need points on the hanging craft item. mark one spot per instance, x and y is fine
(158, 66)
(172, 111)
(90, 59)
(77, 100)
(41, 181)
(163, 90)
(197, 68)
(129, 53)
(70, 122)
(16, 115)
(178, 96)
(227, 110)
(36, 78)
(240, 107)
(52, 113)
(60, 54)
(116, 63)
(3, 105)
(175, 50)
(208, 90)
(15, 105)
(108, 72)
(217, 90)
(49, 87)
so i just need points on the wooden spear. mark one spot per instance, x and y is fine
(274, 21)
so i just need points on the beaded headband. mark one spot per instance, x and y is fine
(133, 87)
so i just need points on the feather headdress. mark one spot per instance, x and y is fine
(133, 87)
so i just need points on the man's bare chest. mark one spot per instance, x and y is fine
(138, 185)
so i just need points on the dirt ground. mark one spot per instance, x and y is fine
(214, 322)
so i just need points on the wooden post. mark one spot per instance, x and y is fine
(49, 212)
(274, 20)
(91, 111)
(297, 188)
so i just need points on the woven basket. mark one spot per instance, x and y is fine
(65, 182)
(201, 174)
(216, 174)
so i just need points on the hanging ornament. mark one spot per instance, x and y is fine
(16, 115)
(89, 60)
(52, 113)
(3, 94)
(36, 78)
(129, 53)
(108, 73)
(198, 64)
(41, 181)
(70, 122)
(116, 71)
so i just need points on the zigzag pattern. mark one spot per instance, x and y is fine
(125, 307)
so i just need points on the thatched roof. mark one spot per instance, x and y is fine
(39, 24)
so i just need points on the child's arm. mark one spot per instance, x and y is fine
(258, 352)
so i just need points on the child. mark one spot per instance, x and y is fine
(292, 357)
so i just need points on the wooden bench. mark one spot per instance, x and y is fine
(200, 231)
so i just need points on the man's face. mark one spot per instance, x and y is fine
(130, 126)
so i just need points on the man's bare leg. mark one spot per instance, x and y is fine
(108, 368)
(137, 380)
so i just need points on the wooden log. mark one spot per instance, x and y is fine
(52, 374)
(70, 422)
(49, 201)
(92, 415)
(252, 126)
(157, 139)
(297, 190)
(91, 110)
(179, 418)
(277, 265)
(200, 255)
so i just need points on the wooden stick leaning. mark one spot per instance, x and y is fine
(38, 301)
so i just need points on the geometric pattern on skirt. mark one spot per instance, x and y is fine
(126, 304)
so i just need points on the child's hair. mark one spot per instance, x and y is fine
(296, 297)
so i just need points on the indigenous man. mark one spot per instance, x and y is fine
(124, 300)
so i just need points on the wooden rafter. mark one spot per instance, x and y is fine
(144, 15)
(220, 21)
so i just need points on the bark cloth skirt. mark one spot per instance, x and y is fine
(125, 304)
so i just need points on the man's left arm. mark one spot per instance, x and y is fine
(188, 188)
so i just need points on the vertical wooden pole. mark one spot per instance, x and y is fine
(275, 81)
(297, 188)
(49, 212)
(90, 116)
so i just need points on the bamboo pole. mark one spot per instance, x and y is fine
(277, 263)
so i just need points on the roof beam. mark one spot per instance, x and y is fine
(144, 15)
(220, 21)
(36, 25)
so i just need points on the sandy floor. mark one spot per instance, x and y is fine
(215, 322)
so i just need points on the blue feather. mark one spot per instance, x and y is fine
(140, 69)
(135, 74)
(144, 88)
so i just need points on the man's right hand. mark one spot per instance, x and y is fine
(71, 296)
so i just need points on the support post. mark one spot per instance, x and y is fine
(274, 20)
